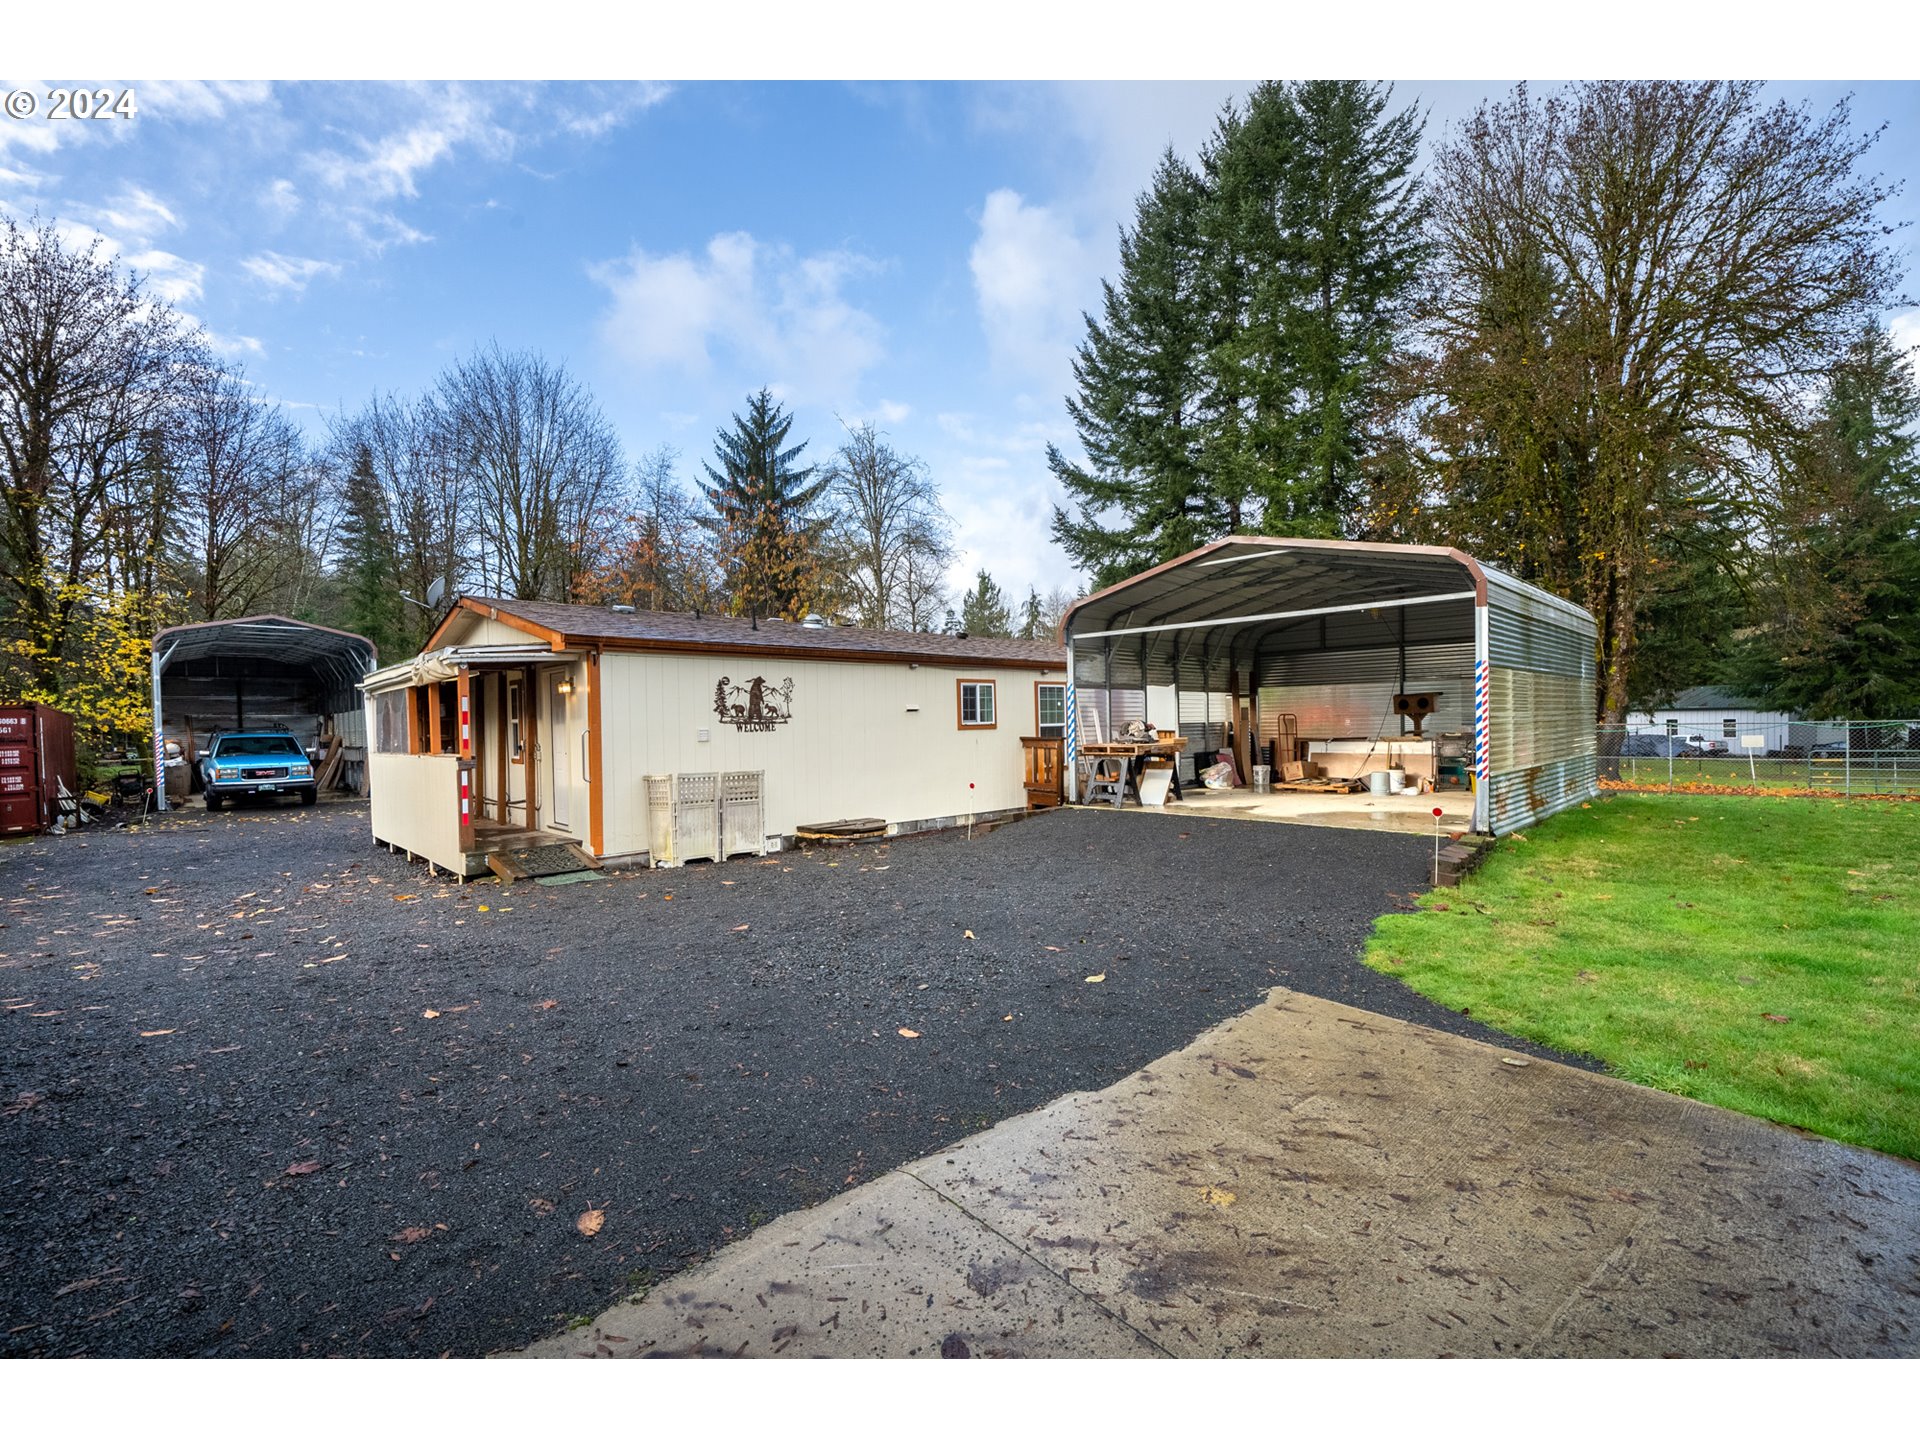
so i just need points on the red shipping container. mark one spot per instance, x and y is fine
(36, 758)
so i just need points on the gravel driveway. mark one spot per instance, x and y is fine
(267, 1089)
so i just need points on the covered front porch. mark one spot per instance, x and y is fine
(481, 750)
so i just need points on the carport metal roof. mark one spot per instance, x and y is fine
(1255, 580)
(339, 656)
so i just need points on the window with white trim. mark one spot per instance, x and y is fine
(1050, 710)
(977, 710)
(1729, 728)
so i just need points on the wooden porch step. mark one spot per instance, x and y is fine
(533, 862)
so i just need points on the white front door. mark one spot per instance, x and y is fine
(559, 754)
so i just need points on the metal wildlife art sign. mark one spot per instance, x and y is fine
(755, 705)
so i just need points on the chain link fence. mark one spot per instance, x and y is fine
(1828, 757)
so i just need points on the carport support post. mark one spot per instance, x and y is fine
(159, 738)
(1482, 724)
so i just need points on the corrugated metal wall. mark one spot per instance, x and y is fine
(1349, 693)
(1542, 728)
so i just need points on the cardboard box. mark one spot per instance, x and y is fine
(1292, 770)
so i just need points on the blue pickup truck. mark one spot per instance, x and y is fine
(256, 762)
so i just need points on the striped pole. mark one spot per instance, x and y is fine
(1482, 706)
(1073, 739)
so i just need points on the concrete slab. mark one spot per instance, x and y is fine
(888, 1270)
(1309, 1179)
(1410, 813)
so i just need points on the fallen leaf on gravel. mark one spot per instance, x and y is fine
(546, 1004)
(1096, 979)
(149, 1034)
(304, 1167)
(966, 935)
(429, 1014)
(738, 928)
(1213, 1195)
(1055, 949)
(412, 1235)
(1777, 1019)
(541, 1206)
(1006, 1017)
(589, 1224)
(1515, 1061)
(486, 907)
(406, 897)
(909, 1034)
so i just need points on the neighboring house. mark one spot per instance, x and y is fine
(1722, 716)
(533, 721)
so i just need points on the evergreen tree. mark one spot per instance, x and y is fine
(763, 508)
(1033, 617)
(1349, 216)
(983, 611)
(369, 575)
(1230, 380)
(1140, 497)
(1845, 637)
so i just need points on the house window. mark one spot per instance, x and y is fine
(1730, 728)
(1673, 727)
(1050, 710)
(516, 749)
(390, 722)
(976, 705)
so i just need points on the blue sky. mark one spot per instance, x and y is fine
(914, 255)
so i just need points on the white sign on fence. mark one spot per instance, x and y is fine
(1753, 742)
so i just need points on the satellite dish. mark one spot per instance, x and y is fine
(436, 592)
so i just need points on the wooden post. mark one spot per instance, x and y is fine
(596, 790)
(503, 736)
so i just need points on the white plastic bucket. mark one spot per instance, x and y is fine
(1379, 782)
(1263, 779)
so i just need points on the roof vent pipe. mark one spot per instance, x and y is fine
(814, 621)
(621, 609)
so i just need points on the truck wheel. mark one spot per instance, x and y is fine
(214, 802)
(310, 795)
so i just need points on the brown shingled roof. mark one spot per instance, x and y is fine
(674, 631)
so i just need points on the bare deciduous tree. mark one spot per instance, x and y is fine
(1635, 282)
(87, 373)
(543, 463)
(890, 536)
(657, 555)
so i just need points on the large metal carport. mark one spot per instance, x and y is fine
(260, 671)
(1330, 631)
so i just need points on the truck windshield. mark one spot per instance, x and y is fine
(238, 745)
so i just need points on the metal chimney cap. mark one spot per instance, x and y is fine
(814, 621)
(621, 609)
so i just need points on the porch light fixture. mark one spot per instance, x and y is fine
(565, 687)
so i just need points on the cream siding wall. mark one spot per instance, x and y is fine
(471, 629)
(416, 805)
(854, 746)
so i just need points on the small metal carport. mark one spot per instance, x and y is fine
(1330, 631)
(257, 671)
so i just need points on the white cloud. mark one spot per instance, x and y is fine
(238, 346)
(170, 277)
(133, 212)
(1906, 334)
(1030, 276)
(286, 272)
(282, 197)
(783, 315)
(385, 167)
(891, 412)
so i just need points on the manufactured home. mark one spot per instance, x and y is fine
(651, 736)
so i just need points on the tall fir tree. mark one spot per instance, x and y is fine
(983, 609)
(1844, 642)
(1230, 379)
(1140, 497)
(369, 577)
(764, 513)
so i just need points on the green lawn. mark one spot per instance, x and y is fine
(1658, 934)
